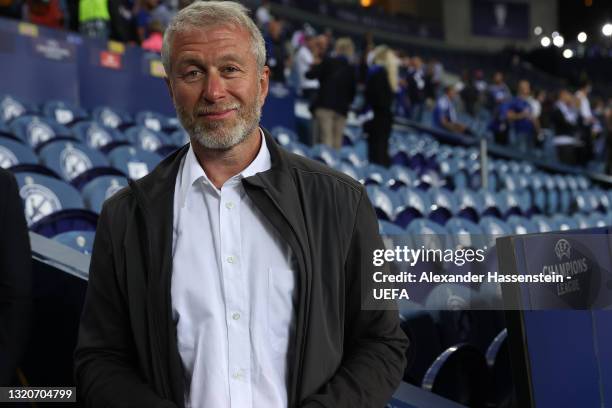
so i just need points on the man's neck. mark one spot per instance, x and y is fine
(221, 165)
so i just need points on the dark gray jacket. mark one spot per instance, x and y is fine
(127, 354)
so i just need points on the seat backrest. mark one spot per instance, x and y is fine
(81, 241)
(100, 189)
(13, 153)
(43, 195)
(145, 138)
(95, 135)
(134, 162)
(71, 159)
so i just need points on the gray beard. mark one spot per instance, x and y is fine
(217, 135)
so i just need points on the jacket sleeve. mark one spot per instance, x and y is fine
(105, 367)
(15, 278)
(375, 345)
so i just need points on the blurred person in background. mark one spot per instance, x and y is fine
(521, 117)
(48, 13)
(302, 61)
(154, 41)
(469, 93)
(122, 26)
(337, 78)
(416, 87)
(444, 115)
(276, 51)
(263, 15)
(15, 278)
(94, 19)
(588, 123)
(498, 92)
(382, 84)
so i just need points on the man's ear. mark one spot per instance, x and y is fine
(264, 82)
(169, 85)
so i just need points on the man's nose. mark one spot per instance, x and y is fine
(214, 87)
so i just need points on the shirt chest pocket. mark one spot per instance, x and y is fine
(280, 308)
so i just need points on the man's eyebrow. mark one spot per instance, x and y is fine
(232, 58)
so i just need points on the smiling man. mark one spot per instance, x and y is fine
(231, 276)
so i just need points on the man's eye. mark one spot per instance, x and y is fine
(230, 69)
(192, 75)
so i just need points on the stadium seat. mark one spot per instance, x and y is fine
(63, 112)
(35, 131)
(412, 204)
(421, 330)
(179, 138)
(465, 233)
(99, 189)
(348, 170)
(13, 153)
(383, 201)
(10, 108)
(375, 174)
(111, 117)
(400, 176)
(564, 223)
(70, 159)
(521, 225)
(352, 156)
(133, 162)
(98, 136)
(283, 135)
(500, 370)
(443, 205)
(145, 138)
(459, 374)
(324, 154)
(152, 120)
(469, 205)
(543, 224)
(81, 241)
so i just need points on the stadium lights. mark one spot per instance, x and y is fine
(558, 41)
(366, 3)
(567, 53)
(537, 30)
(607, 29)
(554, 34)
(582, 37)
(545, 41)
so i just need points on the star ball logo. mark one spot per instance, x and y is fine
(563, 249)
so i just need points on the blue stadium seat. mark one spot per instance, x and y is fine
(521, 225)
(63, 112)
(465, 233)
(13, 153)
(133, 162)
(425, 346)
(564, 223)
(375, 174)
(70, 159)
(459, 374)
(97, 136)
(509, 202)
(450, 297)
(388, 228)
(543, 224)
(491, 205)
(500, 370)
(494, 228)
(283, 135)
(443, 205)
(52, 206)
(35, 131)
(111, 117)
(81, 241)
(348, 170)
(583, 221)
(179, 138)
(299, 149)
(400, 176)
(383, 201)
(353, 156)
(324, 154)
(10, 108)
(99, 189)
(152, 120)
(469, 205)
(412, 204)
(145, 138)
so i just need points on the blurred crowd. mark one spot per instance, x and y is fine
(337, 75)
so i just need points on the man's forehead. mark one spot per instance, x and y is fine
(210, 33)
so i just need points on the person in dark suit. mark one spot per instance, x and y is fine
(381, 85)
(337, 86)
(15, 277)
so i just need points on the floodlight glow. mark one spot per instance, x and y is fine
(582, 37)
(607, 29)
(558, 41)
(537, 30)
(567, 53)
(545, 41)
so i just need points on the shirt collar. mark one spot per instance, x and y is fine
(193, 172)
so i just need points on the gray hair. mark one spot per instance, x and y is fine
(207, 14)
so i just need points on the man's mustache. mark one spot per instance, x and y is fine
(204, 110)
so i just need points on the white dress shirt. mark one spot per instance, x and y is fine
(233, 292)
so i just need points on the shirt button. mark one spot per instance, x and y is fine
(231, 259)
(229, 205)
(236, 316)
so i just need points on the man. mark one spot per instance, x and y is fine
(520, 115)
(231, 275)
(444, 115)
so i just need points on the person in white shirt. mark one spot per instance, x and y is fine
(235, 274)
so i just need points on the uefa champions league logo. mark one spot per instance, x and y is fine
(563, 249)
